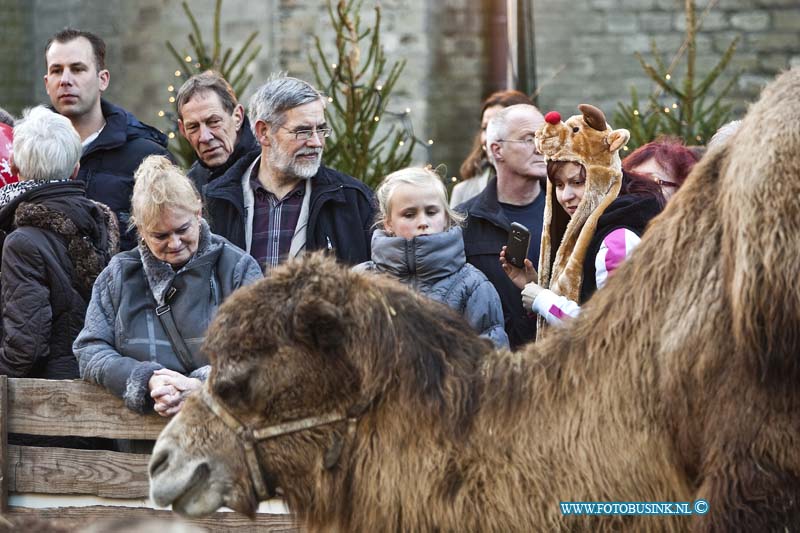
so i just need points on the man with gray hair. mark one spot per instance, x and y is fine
(56, 243)
(281, 201)
(212, 120)
(515, 195)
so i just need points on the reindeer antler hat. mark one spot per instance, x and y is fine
(588, 140)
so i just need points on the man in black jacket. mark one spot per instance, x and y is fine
(213, 121)
(279, 201)
(515, 195)
(114, 141)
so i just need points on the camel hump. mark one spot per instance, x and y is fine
(761, 248)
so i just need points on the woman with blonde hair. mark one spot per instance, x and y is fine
(151, 306)
(419, 242)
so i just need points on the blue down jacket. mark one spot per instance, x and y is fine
(123, 342)
(435, 265)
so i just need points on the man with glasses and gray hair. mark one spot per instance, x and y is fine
(515, 195)
(280, 201)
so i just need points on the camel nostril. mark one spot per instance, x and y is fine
(200, 474)
(158, 463)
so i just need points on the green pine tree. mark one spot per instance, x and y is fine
(197, 57)
(358, 87)
(686, 110)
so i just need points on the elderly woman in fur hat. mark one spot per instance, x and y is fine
(151, 306)
(594, 215)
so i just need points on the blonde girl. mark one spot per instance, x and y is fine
(419, 242)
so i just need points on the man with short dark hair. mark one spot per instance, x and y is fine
(114, 141)
(515, 195)
(280, 201)
(214, 123)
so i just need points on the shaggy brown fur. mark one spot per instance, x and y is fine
(678, 380)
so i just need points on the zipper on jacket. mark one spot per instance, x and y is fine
(214, 290)
(411, 261)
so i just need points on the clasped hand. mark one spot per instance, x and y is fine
(169, 389)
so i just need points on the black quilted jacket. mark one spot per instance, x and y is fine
(56, 242)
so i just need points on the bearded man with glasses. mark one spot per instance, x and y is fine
(280, 201)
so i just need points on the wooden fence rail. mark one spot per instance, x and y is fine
(77, 408)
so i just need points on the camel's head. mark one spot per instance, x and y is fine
(312, 338)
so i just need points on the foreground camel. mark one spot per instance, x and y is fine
(375, 410)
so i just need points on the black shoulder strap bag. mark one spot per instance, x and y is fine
(164, 314)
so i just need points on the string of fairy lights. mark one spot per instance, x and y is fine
(403, 116)
(673, 64)
(667, 110)
(172, 90)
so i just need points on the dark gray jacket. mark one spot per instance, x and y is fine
(340, 216)
(435, 265)
(123, 343)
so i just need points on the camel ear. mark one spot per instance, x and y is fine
(617, 139)
(318, 324)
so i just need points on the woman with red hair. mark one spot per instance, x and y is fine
(666, 161)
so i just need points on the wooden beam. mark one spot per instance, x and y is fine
(67, 471)
(82, 517)
(74, 407)
(3, 443)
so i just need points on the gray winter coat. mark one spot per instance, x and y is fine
(435, 265)
(123, 343)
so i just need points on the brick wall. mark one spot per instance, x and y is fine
(443, 43)
(403, 35)
(16, 81)
(595, 40)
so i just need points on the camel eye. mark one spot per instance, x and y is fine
(575, 129)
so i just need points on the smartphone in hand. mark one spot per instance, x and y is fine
(519, 239)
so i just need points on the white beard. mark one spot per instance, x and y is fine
(288, 166)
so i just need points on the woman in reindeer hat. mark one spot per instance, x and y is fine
(594, 214)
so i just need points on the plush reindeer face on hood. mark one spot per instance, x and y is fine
(586, 139)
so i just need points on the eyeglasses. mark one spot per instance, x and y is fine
(661, 181)
(665, 183)
(305, 135)
(530, 141)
